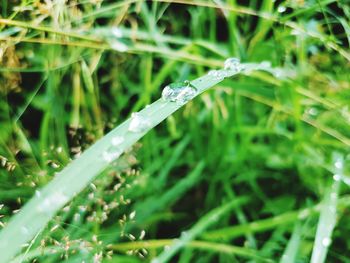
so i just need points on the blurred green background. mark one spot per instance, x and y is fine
(274, 145)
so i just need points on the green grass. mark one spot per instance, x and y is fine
(249, 170)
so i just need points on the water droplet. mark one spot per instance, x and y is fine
(118, 46)
(111, 154)
(338, 164)
(281, 9)
(138, 123)
(217, 74)
(184, 236)
(117, 32)
(233, 64)
(277, 73)
(167, 247)
(179, 92)
(337, 177)
(326, 241)
(117, 140)
(312, 111)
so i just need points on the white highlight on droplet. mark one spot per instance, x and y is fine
(139, 123)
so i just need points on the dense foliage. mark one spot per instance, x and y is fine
(255, 169)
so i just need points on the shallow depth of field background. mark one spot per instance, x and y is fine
(73, 70)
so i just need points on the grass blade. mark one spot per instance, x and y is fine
(201, 245)
(79, 173)
(206, 221)
(328, 218)
(291, 252)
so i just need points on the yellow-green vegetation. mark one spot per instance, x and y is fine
(249, 164)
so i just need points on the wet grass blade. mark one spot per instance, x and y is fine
(328, 216)
(326, 225)
(34, 216)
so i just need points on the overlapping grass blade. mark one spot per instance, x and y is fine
(206, 221)
(200, 245)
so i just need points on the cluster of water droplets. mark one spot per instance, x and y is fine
(218, 74)
(114, 151)
(338, 175)
(231, 65)
(138, 124)
(179, 92)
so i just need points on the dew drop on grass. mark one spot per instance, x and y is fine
(326, 242)
(179, 92)
(117, 32)
(184, 235)
(118, 46)
(277, 73)
(117, 140)
(167, 247)
(337, 177)
(217, 74)
(111, 154)
(138, 123)
(312, 111)
(281, 9)
(233, 64)
(338, 164)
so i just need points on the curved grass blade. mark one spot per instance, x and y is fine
(34, 216)
(196, 244)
